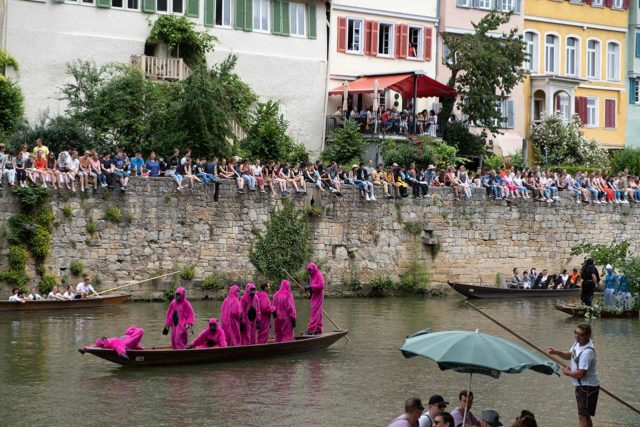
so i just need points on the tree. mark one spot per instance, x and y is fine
(180, 36)
(484, 71)
(467, 143)
(6, 61)
(345, 144)
(11, 100)
(628, 158)
(425, 150)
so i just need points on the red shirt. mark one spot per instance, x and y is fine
(41, 163)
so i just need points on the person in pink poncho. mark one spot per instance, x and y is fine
(264, 314)
(180, 317)
(316, 288)
(211, 337)
(250, 310)
(285, 313)
(232, 316)
(129, 341)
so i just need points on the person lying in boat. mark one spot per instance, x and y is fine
(84, 288)
(69, 294)
(211, 337)
(17, 296)
(34, 296)
(55, 294)
(129, 341)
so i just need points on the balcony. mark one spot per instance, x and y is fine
(161, 69)
(393, 129)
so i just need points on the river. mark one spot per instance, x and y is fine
(45, 381)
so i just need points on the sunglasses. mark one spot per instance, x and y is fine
(442, 406)
(437, 422)
(579, 334)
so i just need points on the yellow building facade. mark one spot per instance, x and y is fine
(577, 65)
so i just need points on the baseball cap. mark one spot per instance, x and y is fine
(491, 417)
(437, 399)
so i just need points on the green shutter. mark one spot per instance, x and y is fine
(637, 45)
(58, 1)
(239, 18)
(148, 6)
(104, 4)
(632, 91)
(286, 24)
(276, 18)
(311, 16)
(209, 13)
(248, 15)
(193, 8)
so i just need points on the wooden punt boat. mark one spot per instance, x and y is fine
(482, 292)
(580, 312)
(168, 356)
(67, 304)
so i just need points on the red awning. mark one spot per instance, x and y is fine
(401, 83)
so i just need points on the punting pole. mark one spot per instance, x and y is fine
(136, 283)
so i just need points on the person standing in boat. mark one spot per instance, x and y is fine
(264, 314)
(610, 286)
(232, 316)
(590, 278)
(211, 337)
(285, 313)
(180, 318)
(250, 308)
(316, 288)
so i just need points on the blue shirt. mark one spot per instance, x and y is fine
(624, 285)
(610, 281)
(153, 166)
(136, 164)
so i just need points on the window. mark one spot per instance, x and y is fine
(592, 112)
(596, 3)
(261, 15)
(531, 48)
(385, 39)
(80, 1)
(505, 5)
(572, 57)
(173, 6)
(484, 4)
(297, 19)
(463, 3)
(610, 113)
(125, 4)
(593, 59)
(613, 61)
(551, 54)
(223, 13)
(636, 91)
(415, 42)
(617, 4)
(563, 107)
(505, 109)
(354, 36)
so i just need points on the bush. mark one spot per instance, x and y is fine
(47, 282)
(467, 143)
(380, 286)
(91, 226)
(423, 151)
(67, 211)
(76, 267)
(32, 197)
(19, 279)
(40, 242)
(11, 107)
(312, 211)
(17, 258)
(416, 278)
(188, 273)
(628, 158)
(113, 214)
(345, 144)
(212, 283)
(180, 35)
(492, 162)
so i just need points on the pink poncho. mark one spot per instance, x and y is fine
(208, 339)
(317, 299)
(232, 316)
(179, 318)
(250, 312)
(264, 317)
(285, 310)
(129, 341)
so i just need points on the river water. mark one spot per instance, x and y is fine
(45, 381)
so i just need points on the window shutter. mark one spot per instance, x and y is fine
(632, 91)
(398, 41)
(62, 1)
(510, 115)
(286, 23)
(312, 29)
(609, 113)
(625, 4)
(581, 108)
(367, 37)
(209, 13)
(374, 38)
(106, 4)
(342, 34)
(608, 3)
(404, 40)
(193, 8)
(148, 6)
(276, 17)
(428, 33)
(588, 1)
(248, 15)
(239, 18)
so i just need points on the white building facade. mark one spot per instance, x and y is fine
(281, 47)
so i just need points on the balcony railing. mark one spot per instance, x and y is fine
(165, 69)
(393, 128)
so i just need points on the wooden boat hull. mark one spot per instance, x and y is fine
(580, 312)
(168, 356)
(60, 305)
(482, 292)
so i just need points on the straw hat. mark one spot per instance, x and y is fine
(431, 167)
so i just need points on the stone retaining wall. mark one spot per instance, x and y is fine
(355, 240)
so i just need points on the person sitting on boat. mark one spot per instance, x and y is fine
(542, 281)
(250, 308)
(211, 337)
(55, 294)
(623, 291)
(232, 316)
(316, 288)
(84, 288)
(565, 279)
(610, 286)
(180, 317)
(69, 294)
(515, 280)
(34, 296)
(285, 313)
(526, 280)
(129, 341)
(265, 311)
(17, 296)
(533, 276)
(575, 277)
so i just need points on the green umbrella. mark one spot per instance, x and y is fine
(475, 353)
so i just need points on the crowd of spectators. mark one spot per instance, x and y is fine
(390, 120)
(39, 166)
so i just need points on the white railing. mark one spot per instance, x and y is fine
(156, 68)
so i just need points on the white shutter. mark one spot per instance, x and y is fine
(510, 114)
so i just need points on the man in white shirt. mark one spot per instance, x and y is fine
(582, 371)
(84, 288)
(16, 296)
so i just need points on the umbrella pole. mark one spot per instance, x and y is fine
(466, 406)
